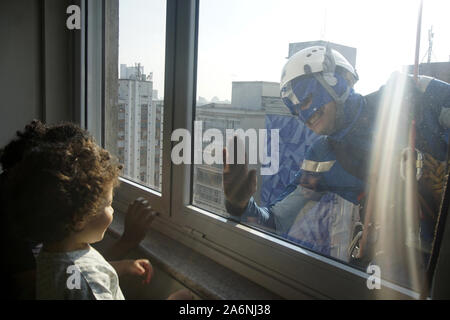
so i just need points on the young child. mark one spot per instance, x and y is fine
(60, 193)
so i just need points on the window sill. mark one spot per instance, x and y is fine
(206, 278)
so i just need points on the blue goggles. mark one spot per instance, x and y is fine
(306, 90)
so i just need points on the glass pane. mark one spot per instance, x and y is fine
(330, 146)
(137, 118)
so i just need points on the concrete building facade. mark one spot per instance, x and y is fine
(139, 127)
(438, 70)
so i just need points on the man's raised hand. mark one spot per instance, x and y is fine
(239, 184)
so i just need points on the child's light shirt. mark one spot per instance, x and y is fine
(79, 275)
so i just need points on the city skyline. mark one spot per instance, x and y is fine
(237, 46)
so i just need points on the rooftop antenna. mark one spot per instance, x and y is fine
(138, 70)
(430, 45)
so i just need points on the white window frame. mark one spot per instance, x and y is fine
(283, 268)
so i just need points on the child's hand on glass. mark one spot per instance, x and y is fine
(138, 219)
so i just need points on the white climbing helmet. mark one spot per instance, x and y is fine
(317, 59)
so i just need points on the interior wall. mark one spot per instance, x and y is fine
(20, 65)
(58, 62)
(35, 64)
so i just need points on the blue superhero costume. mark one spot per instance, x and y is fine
(341, 158)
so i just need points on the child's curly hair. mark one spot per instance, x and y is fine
(55, 176)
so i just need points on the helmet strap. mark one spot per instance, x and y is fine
(329, 67)
(340, 118)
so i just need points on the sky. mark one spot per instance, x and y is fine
(248, 40)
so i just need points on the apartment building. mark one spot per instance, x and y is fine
(139, 126)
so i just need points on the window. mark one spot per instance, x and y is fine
(141, 63)
(225, 74)
(240, 58)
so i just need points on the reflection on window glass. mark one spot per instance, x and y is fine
(350, 164)
(139, 115)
